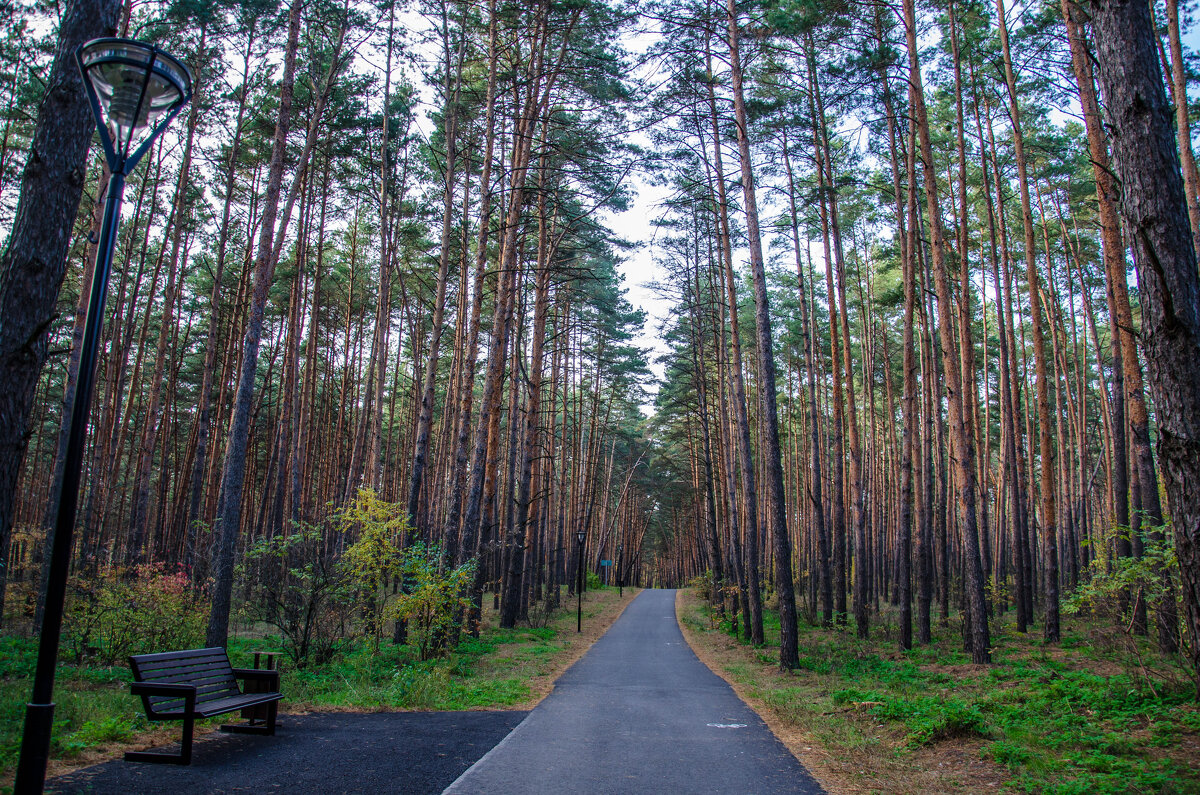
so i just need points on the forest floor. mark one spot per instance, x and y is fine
(1087, 715)
(96, 719)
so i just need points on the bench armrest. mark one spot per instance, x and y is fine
(258, 675)
(162, 689)
(170, 690)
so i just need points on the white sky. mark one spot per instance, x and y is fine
(636, 225)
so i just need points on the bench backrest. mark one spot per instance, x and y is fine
(208, 669)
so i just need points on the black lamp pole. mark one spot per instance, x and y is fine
(579, 584)
(620, 571)
(133, 82)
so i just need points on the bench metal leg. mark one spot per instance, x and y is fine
(253, 726)
(184, 757)
(244, 728)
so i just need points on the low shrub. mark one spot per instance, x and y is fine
(432, 599)
(930, 720)
(119, 612)
(294, 584)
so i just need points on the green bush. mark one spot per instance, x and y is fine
(930, 719)
(375, 561)
(1115, 585)
(295, 586)
(927, 719)
(1008, 753)
(432, 599)
(120, 612)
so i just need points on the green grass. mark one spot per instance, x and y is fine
(92, 704)
(1063, 719)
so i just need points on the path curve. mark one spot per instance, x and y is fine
(639, 713)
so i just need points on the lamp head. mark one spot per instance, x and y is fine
(133, 86)
(581, 535)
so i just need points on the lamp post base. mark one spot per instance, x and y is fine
(35, 749)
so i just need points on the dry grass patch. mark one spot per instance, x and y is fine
(539, 660)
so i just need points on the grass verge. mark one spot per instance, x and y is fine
(863, 717)
(96, 719)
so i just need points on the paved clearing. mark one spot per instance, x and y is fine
(330, 752)
(639, 713)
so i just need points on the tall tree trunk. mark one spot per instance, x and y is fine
(836, 284)
(200, 461)
(150, 423)
(816, 476)
(780, 541)
(521, 535)
(738, 391)
(233, 474)
(963, 454)
(1049, 515)
(425, 421)
(454, 548)
(1187, 159)
(1155, 206)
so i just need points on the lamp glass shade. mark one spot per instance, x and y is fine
(135, 84)
(580, 535)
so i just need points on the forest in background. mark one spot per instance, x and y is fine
(955, 420)
(365, 302)
(361, 274)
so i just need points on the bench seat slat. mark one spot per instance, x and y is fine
(167, 656)
(202, 677)
(224, 705)
(209, 691)
(182, 665)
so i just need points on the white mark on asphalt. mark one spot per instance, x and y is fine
(728, 725)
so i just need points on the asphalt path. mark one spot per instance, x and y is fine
(331, 752)
(639, 713)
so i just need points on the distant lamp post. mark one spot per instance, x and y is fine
(620, 570)
(580, 536)
(135, 90)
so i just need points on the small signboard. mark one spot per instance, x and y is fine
(606, 563)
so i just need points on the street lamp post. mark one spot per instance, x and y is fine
(580, 536)
(131, 87)
(620, 571)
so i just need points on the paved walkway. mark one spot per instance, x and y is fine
(328, 753)
(639, 713)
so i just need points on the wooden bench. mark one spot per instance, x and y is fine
(199, 683)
